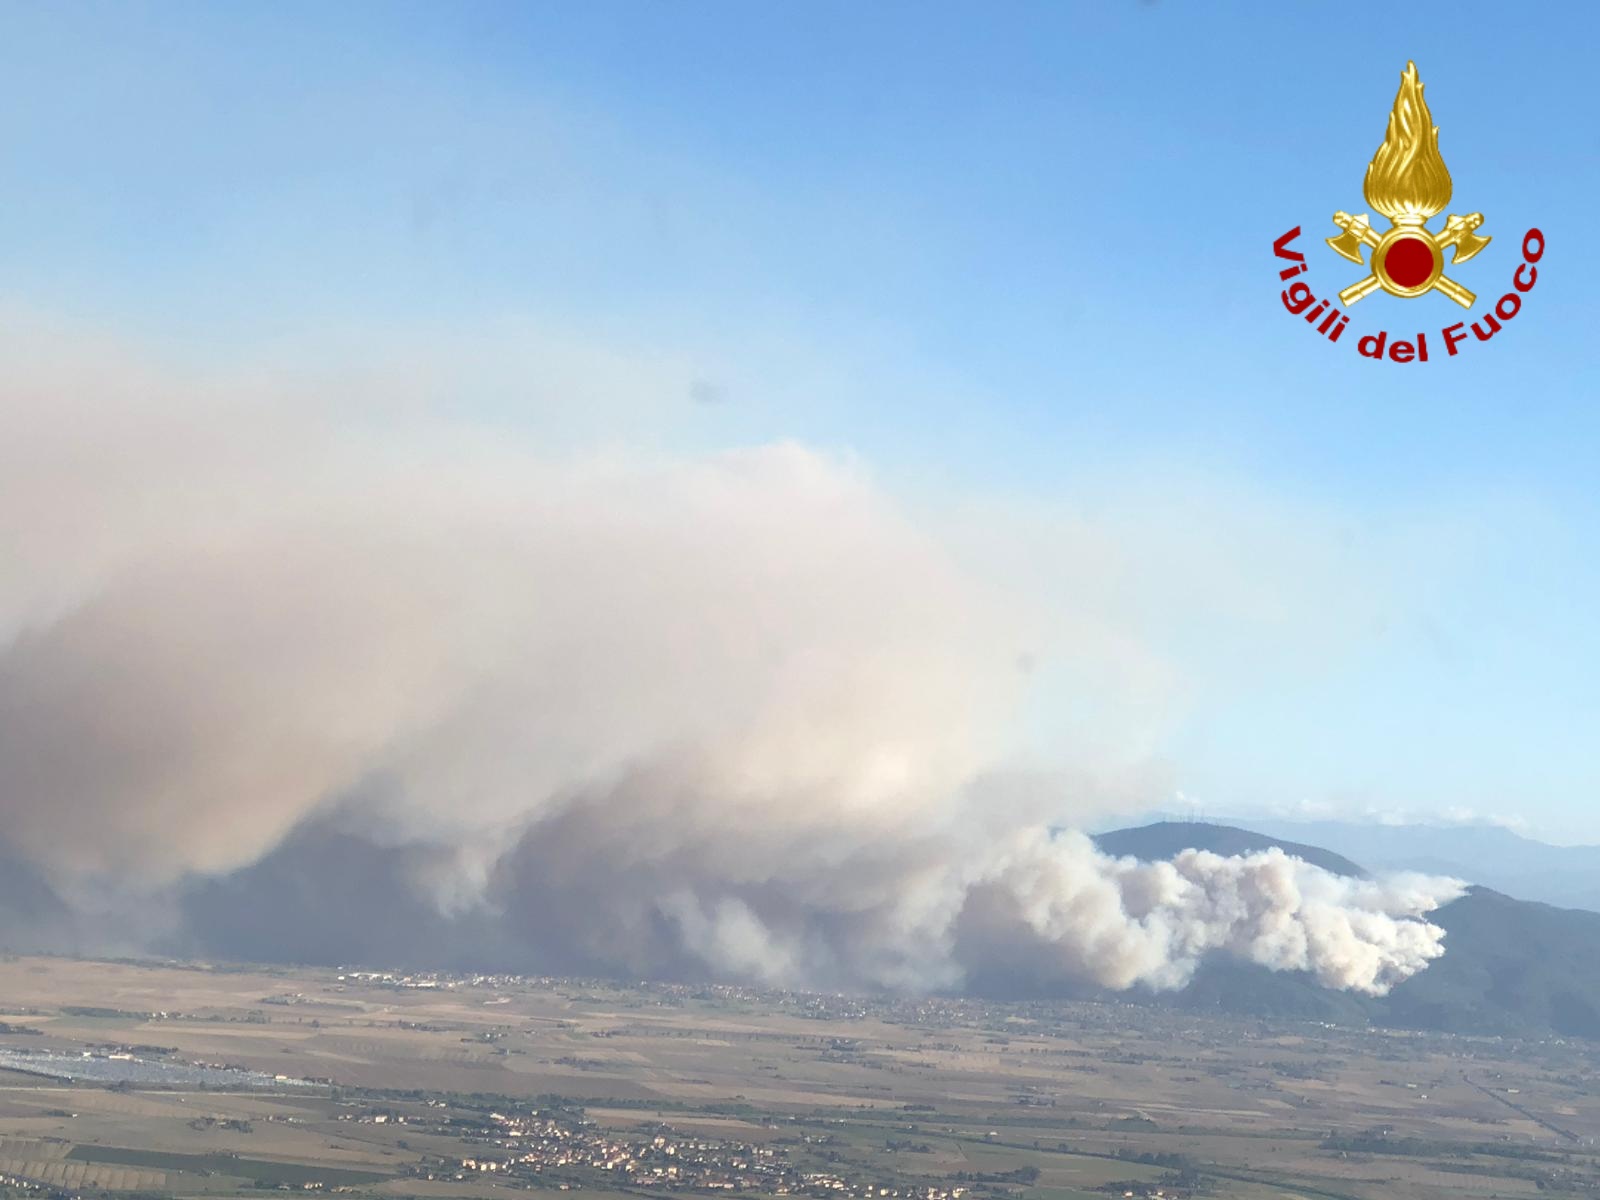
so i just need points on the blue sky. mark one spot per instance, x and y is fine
(1018, 254)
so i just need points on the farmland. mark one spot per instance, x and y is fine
(378, 1084)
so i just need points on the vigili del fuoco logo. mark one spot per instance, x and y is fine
(1408, 183)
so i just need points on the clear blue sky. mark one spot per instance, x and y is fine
(1016, 251)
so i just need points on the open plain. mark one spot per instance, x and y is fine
(378, 1083)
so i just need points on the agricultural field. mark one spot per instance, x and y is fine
(375, 1084)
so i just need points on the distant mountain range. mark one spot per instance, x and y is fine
(1509, 967)
(1490, 855)
(1165, 839)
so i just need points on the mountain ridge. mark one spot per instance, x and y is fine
(1164, 839)
(1491, 855)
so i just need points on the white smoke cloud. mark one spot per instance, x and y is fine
(737, 711)
(941, 905)
(1128, 922)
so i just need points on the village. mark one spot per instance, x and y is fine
(564, 1151)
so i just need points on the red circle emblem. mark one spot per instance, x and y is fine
(1409, 261)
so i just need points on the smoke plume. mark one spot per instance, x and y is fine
(319, 680)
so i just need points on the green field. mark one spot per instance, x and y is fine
(263, 1170)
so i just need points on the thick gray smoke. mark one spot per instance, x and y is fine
(730, 714)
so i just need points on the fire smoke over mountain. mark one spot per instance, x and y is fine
(274, 685)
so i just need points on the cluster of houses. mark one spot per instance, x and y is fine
(545, 1144)
(47, 1191)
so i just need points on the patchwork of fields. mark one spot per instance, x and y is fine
(837, 1095)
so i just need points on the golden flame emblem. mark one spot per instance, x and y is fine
(1408, 182)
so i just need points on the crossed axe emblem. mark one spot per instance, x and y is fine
(1458, 232)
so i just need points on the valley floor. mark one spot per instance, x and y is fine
(375, 1084)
